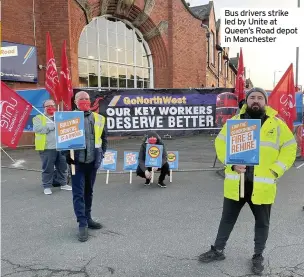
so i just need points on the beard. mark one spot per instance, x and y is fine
(255, 111)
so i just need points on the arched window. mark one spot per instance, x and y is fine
(113, 54)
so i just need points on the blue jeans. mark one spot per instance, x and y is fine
(51, 160)
(82, 188)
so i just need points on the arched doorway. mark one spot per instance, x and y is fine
(113, 54)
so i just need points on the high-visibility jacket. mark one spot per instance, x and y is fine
(277, 153)
(40, 139)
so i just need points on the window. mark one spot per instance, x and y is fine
(113, 54)
(232, 97)
(226, 111)
(211, 42)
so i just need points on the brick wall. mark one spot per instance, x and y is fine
(188, 52)
(21, 25)
(179, 55)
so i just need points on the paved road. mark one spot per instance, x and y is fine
(149, 231)
(195, 152)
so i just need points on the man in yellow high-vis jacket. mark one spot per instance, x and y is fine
(277, 154)
(87, 162)
(45, 143)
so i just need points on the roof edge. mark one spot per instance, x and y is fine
(189, 10)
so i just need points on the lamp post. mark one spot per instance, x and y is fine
(274, 77)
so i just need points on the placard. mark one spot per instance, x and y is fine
(243, 141)
(173, 159)
(69, 129)
(109, 161)
(130, 160)
(154, 155)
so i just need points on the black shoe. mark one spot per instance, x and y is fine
(212, 255)
(83, 234)
(257, 264)
(162, 184)
(148, 182)
(93, 224)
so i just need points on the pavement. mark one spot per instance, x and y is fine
(195, 152)
(148, 231)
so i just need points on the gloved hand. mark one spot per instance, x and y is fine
(148, 174)
(154, 169)
(69, 160)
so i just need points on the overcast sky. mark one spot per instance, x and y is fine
(262, 63)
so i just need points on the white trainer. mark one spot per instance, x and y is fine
(66, 187)
(47, 191)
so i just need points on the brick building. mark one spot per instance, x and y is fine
(119, 43)
(123, 43)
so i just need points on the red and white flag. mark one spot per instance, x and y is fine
(283, 98)
(240, 79)
(14, 112)
(51, 74)
(66, 90)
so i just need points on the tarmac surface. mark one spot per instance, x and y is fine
(148, 231)
(195, 152)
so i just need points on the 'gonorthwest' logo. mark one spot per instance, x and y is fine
(154, 152)
(171, 157)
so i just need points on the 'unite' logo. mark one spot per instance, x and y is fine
(7, 110)
(287, 101)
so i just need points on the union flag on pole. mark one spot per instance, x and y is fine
(66, 90)
(283, 98)
(14, 113)
(240, 79)
(51, 74)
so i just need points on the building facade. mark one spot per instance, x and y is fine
(123, 43)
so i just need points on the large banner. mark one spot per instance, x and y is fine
(18, 62)
(136, 111)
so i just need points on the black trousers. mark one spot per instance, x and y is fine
(231, 211)
(163, 172)
(82, 189)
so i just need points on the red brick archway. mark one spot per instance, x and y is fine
(157, 46)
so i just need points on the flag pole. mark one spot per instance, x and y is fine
(300, 166)
(8, 155)
(42, 114)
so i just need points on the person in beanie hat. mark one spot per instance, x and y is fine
(255, 89)
(277, 154)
